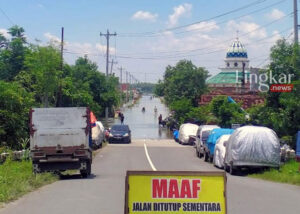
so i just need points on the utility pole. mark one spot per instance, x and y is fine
(107, 35)
(121, 70)
(126, 86)
(295, 22)
(111, 65)
(59, 92)
(62, 49)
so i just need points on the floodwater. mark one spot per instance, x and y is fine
(144, 125)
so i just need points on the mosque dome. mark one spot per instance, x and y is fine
(236, 50)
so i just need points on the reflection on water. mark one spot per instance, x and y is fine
(144, 125)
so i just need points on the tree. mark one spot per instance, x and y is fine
(13, 56)
(14, 108)
(43, 65)
(185, 80)
(17, 33)
(181, 108)
(159, 88)
(227, 113)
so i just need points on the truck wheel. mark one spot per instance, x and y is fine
(85, 173)
(206, 156)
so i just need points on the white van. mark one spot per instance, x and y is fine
(201, 136)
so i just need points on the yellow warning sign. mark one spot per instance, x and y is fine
(175, 192)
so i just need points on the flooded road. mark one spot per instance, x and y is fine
(144, 125)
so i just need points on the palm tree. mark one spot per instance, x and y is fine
(17, 32)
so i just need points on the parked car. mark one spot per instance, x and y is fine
(209, 145)
(119, 134)
(201, 136)
(98, 135)
(185, 131)
(252, 147)
(220, 151)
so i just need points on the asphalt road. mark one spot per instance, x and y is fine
(103, 192)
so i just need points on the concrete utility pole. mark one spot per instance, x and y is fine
(62, 49)
(111, 65)
(121, 70)
(295, 22)
(59, 93)
(126, 86)
(107, 35)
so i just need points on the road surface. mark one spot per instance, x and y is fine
(103, 192)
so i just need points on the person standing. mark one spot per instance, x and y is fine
(122, 118)
(160, 119)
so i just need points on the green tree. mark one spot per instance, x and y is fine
(43, 66)
(181, 108)
(185, 80)
(13, 56)
(14, 108)
(227, 113)
(159, 88)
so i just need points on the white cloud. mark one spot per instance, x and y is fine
(52, 38)
(102, 48)
(250, 29)
(179, 11)
(144, 15)
(5, 33)
(203, 27)
(275, 14)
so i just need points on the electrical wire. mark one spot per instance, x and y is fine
(217, 23)
(9, 19)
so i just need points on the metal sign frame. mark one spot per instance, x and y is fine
(173, 173)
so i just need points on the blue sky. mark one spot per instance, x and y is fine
(138, 52)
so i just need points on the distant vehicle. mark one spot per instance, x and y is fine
(201, 137)
(185, 131)
(220, 151)
(98, 135)
(209, 145)
(252, 147)
(60, 139)
(119, 134)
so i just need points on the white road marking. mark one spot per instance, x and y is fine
(148, 157)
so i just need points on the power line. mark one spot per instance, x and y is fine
(221, 22)
(204, 20)
(11, 22)
(227, 40)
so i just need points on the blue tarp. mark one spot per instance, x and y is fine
(214, 136)
(298, 144)
(175, 134)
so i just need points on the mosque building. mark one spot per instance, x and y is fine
(234, 78)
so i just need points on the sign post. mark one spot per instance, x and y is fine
(175, 192)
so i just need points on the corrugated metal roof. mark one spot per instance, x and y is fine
(226, 78)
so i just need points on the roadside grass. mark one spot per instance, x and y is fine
(17, 179)
(288, 173)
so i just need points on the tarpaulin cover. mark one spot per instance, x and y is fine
(298, 144)
(214, 136)
(186, 130)
(220, 151)
(253, 145)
